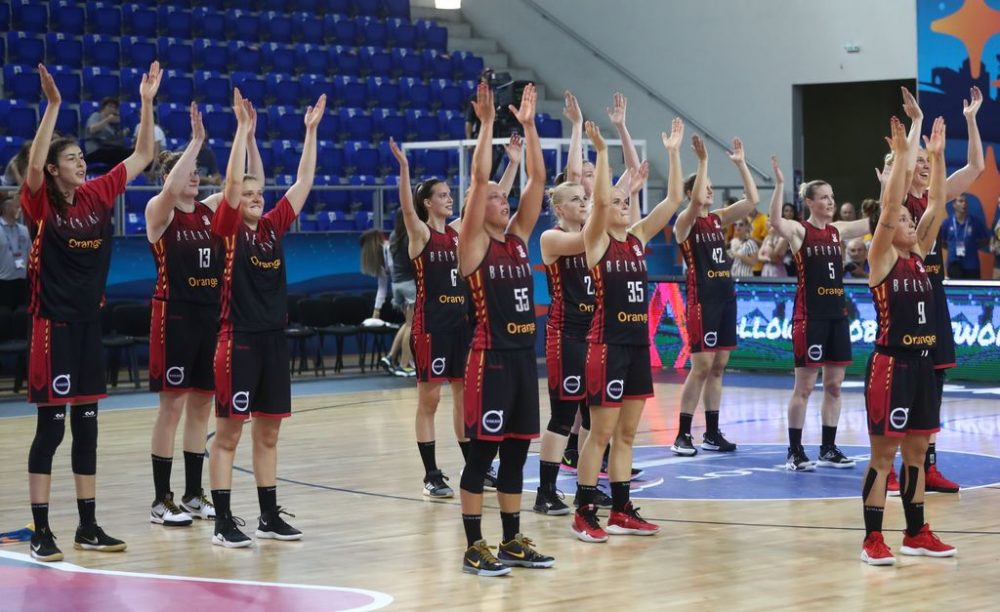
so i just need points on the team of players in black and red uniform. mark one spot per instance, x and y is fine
(500, 394)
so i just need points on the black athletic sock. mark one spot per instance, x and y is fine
(585, 494)
(914, 513)
(267, 497)
(220, 499)
(464, 446)
(427, 456)
(548, 471)
(161, 475)
(685, 425)
(619, 496)
(573, 443)
(40, 516)
(193, 466)
(473, 524)
(829, 435)
(873, 519)
(87, 509)
(511, 522)
(794, 437)
(711, 422)
(930, 458)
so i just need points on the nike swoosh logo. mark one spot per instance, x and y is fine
(263, 523)
(36, 547)
(92, 541)
(519, 555)
(474, 564)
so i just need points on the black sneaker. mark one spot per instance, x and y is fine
(227, 532)
(479, 560)
(490, 481)
(716, 442)
(569, 460)
(601, 500)
(684, 446)
(549, 501)
(92, 537)
(436, 487)
(518, 551)
(273, 527)
(831, 456)
(43, 546)
(797, 461)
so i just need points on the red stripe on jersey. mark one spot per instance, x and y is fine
(34, 267)
(597, 328)
(419, 310)
(226, 298)
(557, 306)
(800, 310)
(880, 389)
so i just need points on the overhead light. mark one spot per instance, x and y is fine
(448, 4)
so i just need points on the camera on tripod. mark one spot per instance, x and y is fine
(506, 91)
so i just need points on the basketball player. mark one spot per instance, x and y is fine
(821, 335)
(501, 376)
(900, 389)
(251, 358)
(619, 378)
(71, 220)
(711, 296)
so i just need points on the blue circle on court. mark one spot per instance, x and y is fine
(757, 472)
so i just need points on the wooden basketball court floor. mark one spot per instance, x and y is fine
(350, 472)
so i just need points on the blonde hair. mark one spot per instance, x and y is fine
(807, 190)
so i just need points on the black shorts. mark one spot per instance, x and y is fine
(566, 360)
(66, 362)
(943, 353)
(251, 375)
(901, 393)
(501, 395)
(712, 326)
(820, 342)
(182, 340)
(618, 372)
(440, 356)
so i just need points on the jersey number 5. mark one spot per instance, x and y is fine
(521, 303)
(204, 258)
(833, 273)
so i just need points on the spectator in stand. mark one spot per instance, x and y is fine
(208, 167)
(14, 248)
(965, 234)
(743, 249)
(105, 135)
(791, 212)
(856, 259)
(14, 172)
(772, 254)
(847, 212)
(758, 231)
(995, 244)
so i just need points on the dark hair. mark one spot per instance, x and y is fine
(372, 259)
(398, 239)
(561, 178)
(21, 159)
(56, 199)
(871, 209)
(807, 190)
(167, 161)
(795, 209)
(424, 191)
(109, 101)
(689, 183)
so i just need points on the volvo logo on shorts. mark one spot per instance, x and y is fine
(711, 338)
(571, 384)
(437, 366)
(493, 421)
(815, 352)
(898, 417)
(615, 389)
(61, 384)
(175, 375)
(241, 401)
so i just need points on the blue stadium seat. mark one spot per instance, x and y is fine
(340, 7)
(284, 88)
(104, 18)
(389, 122)
(363, 198)
(175, 22)
(548, 126)
(372, 32)
(219, 121)
(349, 91)
(371, 8)
(131, 113)
(100, 83)
(131, 78)
(211, 55)
(340, 29)
(22, 83)
(466, 65)
(208, 23)
(177, 86)
(175, 54)
(401, 33)
(174, 144)
(333, 203)
(308, 27)
(211, 87)
(389, 167)
(17, 119)
(64, 50)
(286, 156)
(446, 94)
(346, 59)
(360, 157)
(397, 8)
(375, 61)
(88, 108)
(30, 16)
(435, 162)
(4, 16)
(175, 119)
(452, 123)
(279, 58)
(221, 152)
(407, 63)
(330, 158)
(243, 25)
(277, 25)
(101, 50)
(468, 88)
(312, 59)
(246, 56)
(252, 86)
(138, 20)
(422, 125)
(431, 35)
(382, 91)
(10, 146)
(68, 82)
(286, 121)
(67, 17)
(3, 49)
(437, 64)
(26, 48)
(355, 124)
(138, 52)
(414, 93)
(266, 153)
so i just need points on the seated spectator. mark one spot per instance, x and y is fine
(743, 249)
(856, 259)
(208, 167)
(790, 212)
(14, 173)
(759, 228)
(14, 248)
(847, 212)
(965, 234)
(772, 254)
(105, 143)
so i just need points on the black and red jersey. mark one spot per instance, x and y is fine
(442, 294)
(254, 290)
(820, 266)
(571, 290)
(904, 304)
(933, 260)
(187, 266)
(621, 313)
(71, 252)
(709, 268)
(503, 294)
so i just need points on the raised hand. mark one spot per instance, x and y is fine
(315, 113)
(239, 107)
(594, 133)
(910, 106)
(935, 144)
(699, 148)
(897, 141)
(969, 109)
(776, 169)
(571, 110)
(514, 148)
(398, 153)
(616, 112)
(49, 86)
(883, 174)
(526, 114)
(483, 105)
(736, 154)
(197, 127)
(150, 82)
(251, 116)
(638, 178)
(672, 141)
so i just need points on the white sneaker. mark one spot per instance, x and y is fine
(199, 506)
(165, 512)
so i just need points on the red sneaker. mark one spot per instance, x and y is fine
(935, 481)
(875, 552)
(630, 523)
(926, 543)
(586, 526)
(892, 483)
